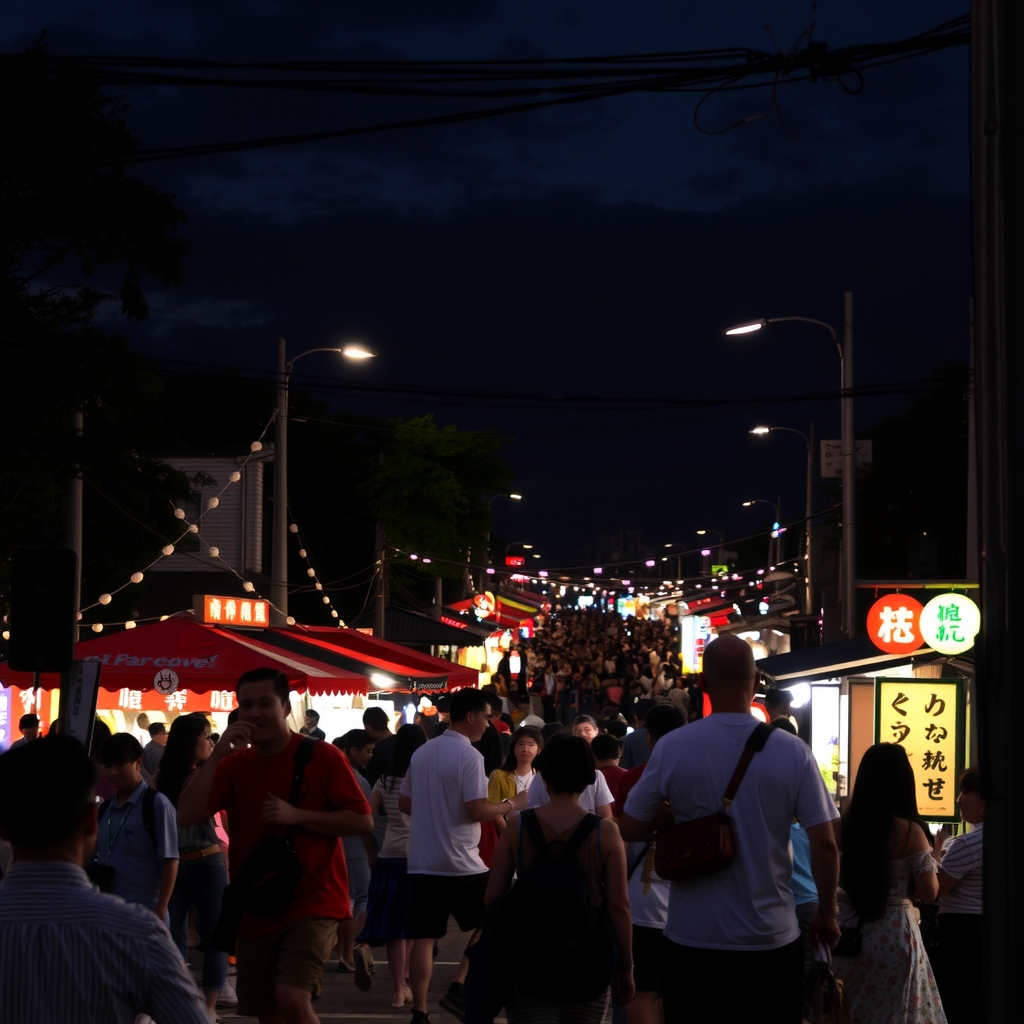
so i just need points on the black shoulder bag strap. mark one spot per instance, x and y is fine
(303, 755)
(755, 742)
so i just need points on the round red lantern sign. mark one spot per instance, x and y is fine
(894, 624)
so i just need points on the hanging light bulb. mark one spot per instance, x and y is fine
(97, 627)
(137, 577)
(213, 503)
(290, 620)
(311, 571)
(319, 585)
(235, 477)
(256, 446)
(293, 528)
(214, 551)
(104, 599)
(326, 599)
(130, 624)
(179, 513)
(193, 528)
(78, 617)
(248, 587)
(6, 634)
(302, 552)
(164, 618)
(334, 614)
(167, 550)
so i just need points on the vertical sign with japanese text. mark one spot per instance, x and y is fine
(926, 718)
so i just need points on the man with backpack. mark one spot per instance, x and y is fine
(288, 799)
(137, 842)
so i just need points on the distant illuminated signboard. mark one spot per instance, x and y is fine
(926, 718)
(515, 561)
(234, 611)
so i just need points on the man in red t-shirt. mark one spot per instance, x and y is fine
(249, 776)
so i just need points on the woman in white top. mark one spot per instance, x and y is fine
(387, 908)
(516, 774)
(886, 859)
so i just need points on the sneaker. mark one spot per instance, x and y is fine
(227, 997)
(362, 957)
(344, 967)
(453, 1001)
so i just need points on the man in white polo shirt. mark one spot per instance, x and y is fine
(445, 795)
(739, 923)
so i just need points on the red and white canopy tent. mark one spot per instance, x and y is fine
(180, 665)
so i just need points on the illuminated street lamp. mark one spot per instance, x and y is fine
(808, 505)
(773, 538)
(845, 350)
(279, 571)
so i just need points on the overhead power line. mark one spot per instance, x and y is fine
(535, 84)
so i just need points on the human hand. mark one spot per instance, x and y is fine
(824, 928)
(279, 812)
(520, 801)
(627, 987)
(235, 737)
(161, 911)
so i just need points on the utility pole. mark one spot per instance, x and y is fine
(73, 535)
(808, 525)
(381, 596)
(279, 561)
(997, 138)
(849, 445)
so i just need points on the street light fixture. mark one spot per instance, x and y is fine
(773, 538)
(279, 571)
(808, 505)
(845, 350)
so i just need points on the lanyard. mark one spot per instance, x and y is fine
(111, 839)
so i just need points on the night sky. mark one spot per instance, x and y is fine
(592, 250)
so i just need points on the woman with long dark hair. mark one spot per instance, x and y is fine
(387, 905)
(887, 859)
(202, 875)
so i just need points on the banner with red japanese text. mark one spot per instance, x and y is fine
(927, 718)
(183, 701)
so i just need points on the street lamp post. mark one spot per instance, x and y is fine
(279, 569)
(773, 536)
(720, 534)
(808, 506)
(845, 350)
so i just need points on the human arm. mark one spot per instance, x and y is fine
(168, 876)
(825, 871)
(945, 883)
(503, 865)
(925, 882)
(340, 822)
(616, 894)
(195, 796)
(483, 810)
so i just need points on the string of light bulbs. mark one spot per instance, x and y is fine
(190, 528)
(293, 527)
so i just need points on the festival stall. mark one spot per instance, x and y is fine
(163, 669)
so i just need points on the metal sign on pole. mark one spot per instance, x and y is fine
(79, 690)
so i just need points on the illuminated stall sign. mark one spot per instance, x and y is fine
(894, 624)
(694, 636)
(926, 717)
(949, 623)
(516, 561)
(233, 611)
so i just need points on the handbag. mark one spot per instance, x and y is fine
(705, 845)
(828, 1001)
(265, 884)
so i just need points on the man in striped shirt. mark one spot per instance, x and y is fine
(69, 953)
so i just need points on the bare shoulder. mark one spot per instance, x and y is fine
(906, 837)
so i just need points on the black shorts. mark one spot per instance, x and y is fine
(435, 898)
(646, 958)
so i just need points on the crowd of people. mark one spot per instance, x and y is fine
(542, 837)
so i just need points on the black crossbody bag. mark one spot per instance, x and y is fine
(265, 884)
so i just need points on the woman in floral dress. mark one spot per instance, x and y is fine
(886, 860)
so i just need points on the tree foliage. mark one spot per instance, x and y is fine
(429, 491)
(75, 235)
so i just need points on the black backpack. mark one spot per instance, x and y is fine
(549, 912)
